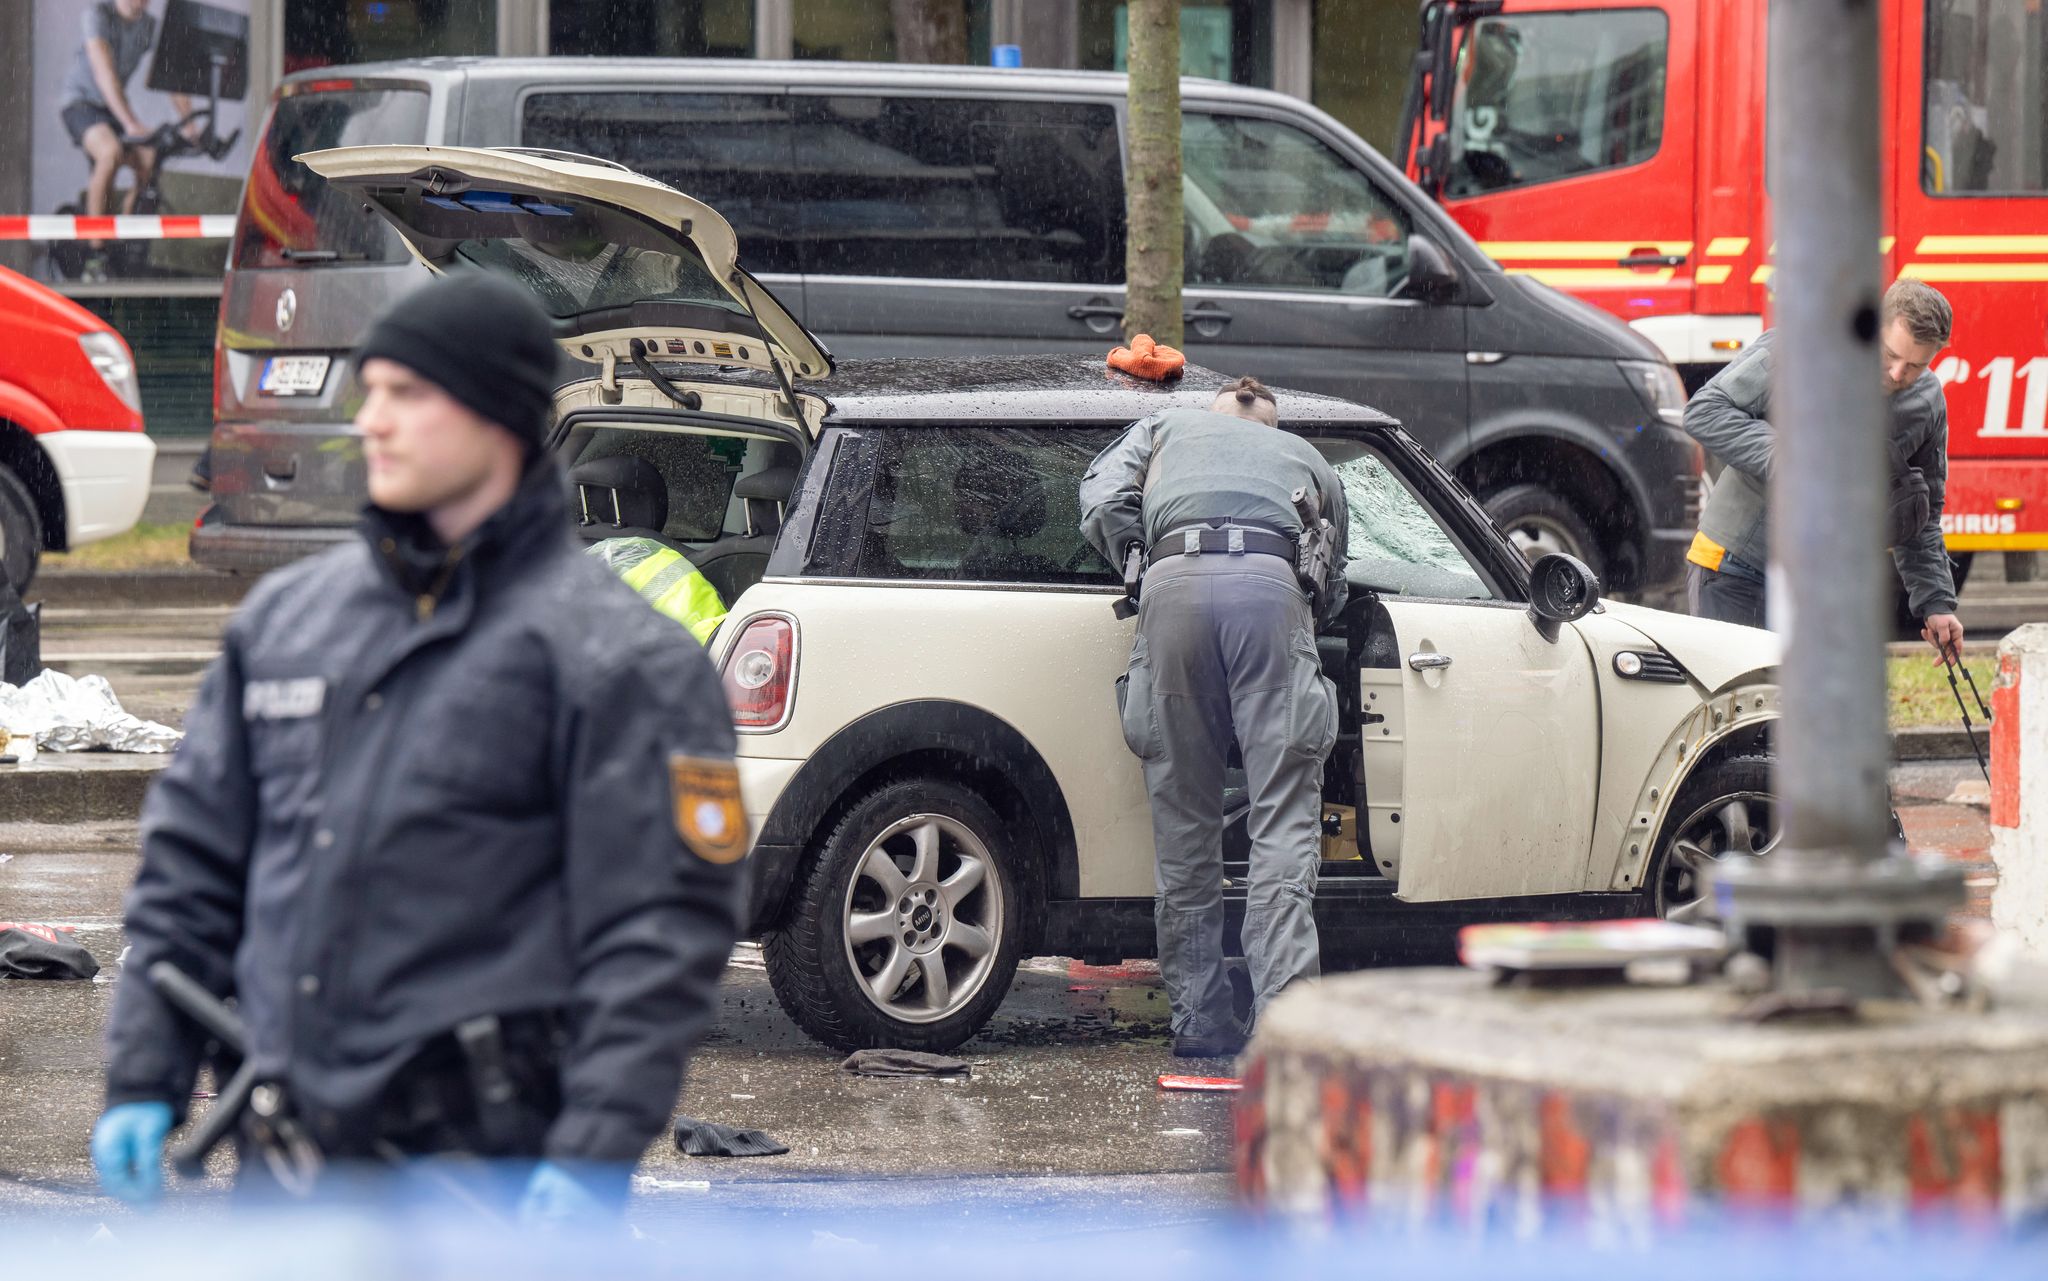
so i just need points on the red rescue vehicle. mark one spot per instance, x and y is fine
(74, 462)
(1615, 149)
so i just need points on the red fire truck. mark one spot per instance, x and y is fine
(1615, 149)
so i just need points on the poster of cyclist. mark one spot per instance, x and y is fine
(140, 110)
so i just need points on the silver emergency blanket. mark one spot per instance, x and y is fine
(78, 714)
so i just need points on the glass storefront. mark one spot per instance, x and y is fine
(1360, 58)
(1219, 39)
(321, 33)
(892, 30)
(652, 28)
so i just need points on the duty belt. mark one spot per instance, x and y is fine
(1208, 540)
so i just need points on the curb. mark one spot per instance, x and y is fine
(42, 792)
(81, 589)
(1939, 744)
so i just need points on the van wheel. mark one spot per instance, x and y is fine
(21, 533)
(907, 923)
(1538, 522)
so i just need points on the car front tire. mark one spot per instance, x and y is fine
(908, 922)
(1727, 810)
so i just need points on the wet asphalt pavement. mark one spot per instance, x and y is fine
(1061, 1117)
(1061, 1113)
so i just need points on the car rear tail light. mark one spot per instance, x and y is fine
(759, 674)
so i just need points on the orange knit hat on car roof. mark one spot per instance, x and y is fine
(1147, 359)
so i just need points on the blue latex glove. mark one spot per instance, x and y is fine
(128, 1150)
(555, 1197)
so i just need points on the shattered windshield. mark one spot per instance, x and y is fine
(1397, 547)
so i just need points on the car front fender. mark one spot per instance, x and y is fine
(1745, 713)
(1717, 655)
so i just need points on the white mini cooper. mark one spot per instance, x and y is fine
(921, 650)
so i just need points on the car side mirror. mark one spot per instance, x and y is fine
(1431, 277)
(1561, 590)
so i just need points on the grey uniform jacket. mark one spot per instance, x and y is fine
(387, 819)
(1184, 466)
(1730, 417)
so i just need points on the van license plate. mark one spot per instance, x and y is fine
(293, 375)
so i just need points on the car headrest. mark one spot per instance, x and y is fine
(770, 484)
(998, 494)
(620, 492)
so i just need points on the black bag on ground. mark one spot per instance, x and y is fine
(39, 952)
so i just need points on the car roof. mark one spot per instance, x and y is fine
(570, 72)
(1050, 390)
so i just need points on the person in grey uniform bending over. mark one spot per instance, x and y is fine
(1225, 649)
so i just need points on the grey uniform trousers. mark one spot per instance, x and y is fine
(1226, 649)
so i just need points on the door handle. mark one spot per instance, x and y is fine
(1428, 662)
(281, 468)
(1097, 311)
(1652, 260)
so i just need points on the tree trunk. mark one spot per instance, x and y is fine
(1152, 255)
(930, 30)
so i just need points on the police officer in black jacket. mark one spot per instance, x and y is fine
(455, 819)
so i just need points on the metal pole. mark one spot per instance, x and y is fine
(1826, 494)
(1835, 897)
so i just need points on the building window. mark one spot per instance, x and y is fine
(951, 31)
(1986, 98)
(320, 33)
(1229, 40)
(1361, 59)
(652, 28)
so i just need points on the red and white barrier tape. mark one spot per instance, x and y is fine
(117, 227)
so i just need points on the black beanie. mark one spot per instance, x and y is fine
(480, 338)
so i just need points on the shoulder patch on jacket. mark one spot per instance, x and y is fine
(709, 816)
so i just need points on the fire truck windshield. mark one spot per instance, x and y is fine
(1545, 96)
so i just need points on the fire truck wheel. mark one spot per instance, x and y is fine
(1538, 521)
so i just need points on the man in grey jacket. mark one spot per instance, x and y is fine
(1730, 416)
(1225, 650)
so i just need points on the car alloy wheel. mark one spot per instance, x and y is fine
(922, 916)
(1733, 825)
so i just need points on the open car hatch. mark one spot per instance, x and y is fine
(632, 271)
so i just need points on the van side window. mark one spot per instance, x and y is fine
(982, 505)
(1271, 207)
(959, 189)
(729, 150)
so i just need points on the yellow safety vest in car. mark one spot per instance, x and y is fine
(665, 579)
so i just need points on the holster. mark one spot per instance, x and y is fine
(1126, 605)
(490, 1085)
(1316, 550)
